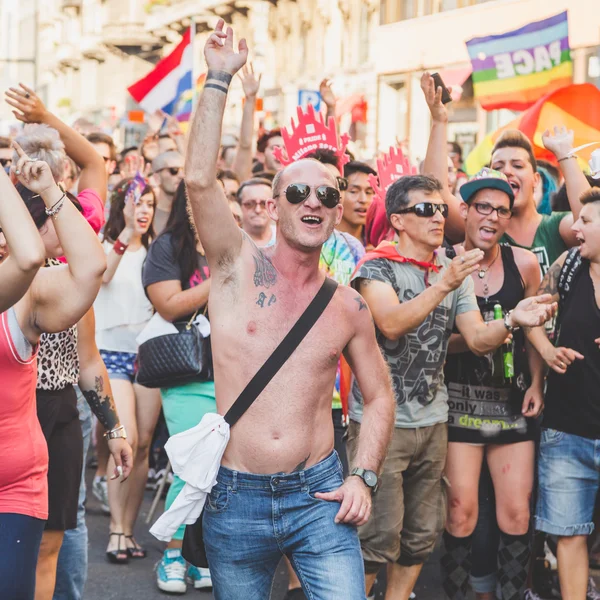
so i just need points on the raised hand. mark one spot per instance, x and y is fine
(220, 54)
(327, 94)
(30, 109)
(35, 175)
(561, 143)
(134, 163)
(250, 82)
(534, 311)
(461, 267)
(433, 98)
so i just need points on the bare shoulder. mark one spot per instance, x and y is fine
(527, 262)
(354, 305)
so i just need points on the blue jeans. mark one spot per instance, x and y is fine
(71, 572)
(250, 521)
(20, 538)
(569, 479)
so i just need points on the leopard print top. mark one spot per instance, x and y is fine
(58, 362)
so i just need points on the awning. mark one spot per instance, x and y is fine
(455, 78)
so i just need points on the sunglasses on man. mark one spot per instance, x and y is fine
(296, 193)
(425, 209)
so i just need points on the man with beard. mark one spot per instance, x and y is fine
(280, 489)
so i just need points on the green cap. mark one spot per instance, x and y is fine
(484, 180)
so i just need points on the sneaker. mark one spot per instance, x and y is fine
(592, 591)
(100, 491)
(549, 556)
(199, 577)
(170, 572)
(531, 595)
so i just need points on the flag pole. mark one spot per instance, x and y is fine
(194, 63)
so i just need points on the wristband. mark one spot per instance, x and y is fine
(117, 432)
(567, 157)
(119, 247)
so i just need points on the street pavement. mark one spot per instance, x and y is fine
(136, 580)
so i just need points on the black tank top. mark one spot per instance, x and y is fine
(481, 409)
(573, 399)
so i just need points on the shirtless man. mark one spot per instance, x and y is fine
(280, 489)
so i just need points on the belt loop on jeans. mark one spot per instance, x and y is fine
(303, 483)
(234, 475)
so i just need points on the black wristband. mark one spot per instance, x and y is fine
(216, 86)
(219, 76)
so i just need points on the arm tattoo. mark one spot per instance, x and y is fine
(265, 274)
(102, 404)
(218, 80)
(549, 284)
(361, 304)
(301, 466)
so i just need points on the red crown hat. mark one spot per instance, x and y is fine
(309, 135)
(390, 167)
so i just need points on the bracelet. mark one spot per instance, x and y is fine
(509, 327)
(119, 247)
(55, 208)
(117, 432)
(567, 157)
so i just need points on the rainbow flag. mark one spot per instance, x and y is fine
(183, 106)
(575, 106)
(513, 70)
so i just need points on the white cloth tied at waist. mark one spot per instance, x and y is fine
(195, 457)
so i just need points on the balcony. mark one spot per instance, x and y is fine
(91, 47)
(132, 38)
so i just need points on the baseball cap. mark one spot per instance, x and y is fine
(486, 179)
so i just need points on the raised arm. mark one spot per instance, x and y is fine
(328, 97)
(220, 235)
(25, 244)
(61, 295)
(30, 109)
(436, 159)
(242, 163)
(95, 387)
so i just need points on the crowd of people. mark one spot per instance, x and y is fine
(447, 389)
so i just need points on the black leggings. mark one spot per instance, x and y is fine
(20, 538)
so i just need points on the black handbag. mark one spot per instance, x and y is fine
(175, 358)
(193, 542)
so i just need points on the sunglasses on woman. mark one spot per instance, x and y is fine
(425, 209)
(299, 192)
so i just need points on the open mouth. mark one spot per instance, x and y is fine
(312, 220)
(514, 185)
(143, 221)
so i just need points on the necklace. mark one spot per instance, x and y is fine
(483, 272)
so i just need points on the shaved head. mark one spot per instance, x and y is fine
(293, 174)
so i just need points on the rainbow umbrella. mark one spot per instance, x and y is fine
(576, 107)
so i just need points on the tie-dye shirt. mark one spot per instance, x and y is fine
(339, 256)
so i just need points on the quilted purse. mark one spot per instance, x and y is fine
(175, 358)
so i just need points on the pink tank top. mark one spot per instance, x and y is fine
(23, 450)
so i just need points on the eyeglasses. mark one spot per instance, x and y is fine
(487, 209)
(252, 204)
(342, 183)
(299, 192)
(6, 162)
(425, 209)
(173, 170)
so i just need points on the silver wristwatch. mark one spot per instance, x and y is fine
(117, 432)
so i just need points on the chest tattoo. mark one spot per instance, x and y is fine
(262, 298)
(265, 274)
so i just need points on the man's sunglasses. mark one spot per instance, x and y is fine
(252, 204)
(425, 209)
(173, 170)
(342, 183)
(487, 209)
(299, 192)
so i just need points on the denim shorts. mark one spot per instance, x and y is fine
(569, 479)
(251, 520)
(120, 365)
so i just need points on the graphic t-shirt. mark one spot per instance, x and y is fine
(339, 256)
(416, 360)
(547, 245)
